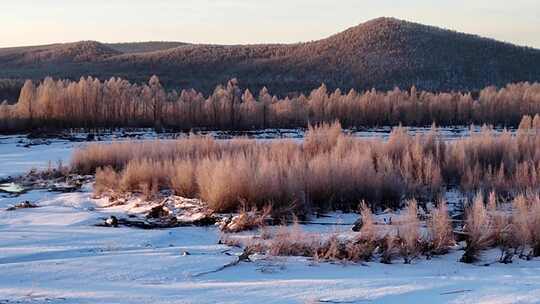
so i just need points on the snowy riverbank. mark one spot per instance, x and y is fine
(56, 254)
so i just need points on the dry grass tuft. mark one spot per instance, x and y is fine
(367, 232)
(390, 248)
(534, 222)
(329, 170)
(106, 178)
(409, 233)
(479, 230)
(440, 231)
(183, 181)
(521, 224)
(292, 241)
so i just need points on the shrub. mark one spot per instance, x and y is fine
(330, 170)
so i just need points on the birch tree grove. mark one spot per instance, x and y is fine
(90, 103)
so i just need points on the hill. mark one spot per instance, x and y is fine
(381, 53)
(64, 53)
(142, 47)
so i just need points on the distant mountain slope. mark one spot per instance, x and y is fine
(381, 53)
(143, 47)
(64, 53)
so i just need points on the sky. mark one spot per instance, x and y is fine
(32, 22)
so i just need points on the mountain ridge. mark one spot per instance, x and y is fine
(381, 53)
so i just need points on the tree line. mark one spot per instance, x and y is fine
(92, 104)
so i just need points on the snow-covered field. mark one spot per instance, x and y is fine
(16, 159)
(55, 254)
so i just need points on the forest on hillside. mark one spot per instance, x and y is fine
(382, 53)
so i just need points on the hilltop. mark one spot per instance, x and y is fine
(381, 53)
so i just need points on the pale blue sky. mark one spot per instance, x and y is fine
(29, 22)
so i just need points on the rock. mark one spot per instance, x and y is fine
(507, 257)
(171, 211)
(158, 212)
(357, 226)
(164, 222)
(65, 188)
(112, 221)
(242, 222)
(22, 205)
(460, 236)
(237, 223)
(244, 257)
(222, 225)
(35, 142)
(184, 211)
(202, 219)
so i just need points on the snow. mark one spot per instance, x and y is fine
(11, 188)
(55, 254)
(16, 159)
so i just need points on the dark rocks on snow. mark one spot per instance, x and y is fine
(507, 257)
(22, 205)
(171, 212)
(206, 220)
(357, 226)
(66, 188)
(158, 212)
(112, 221)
